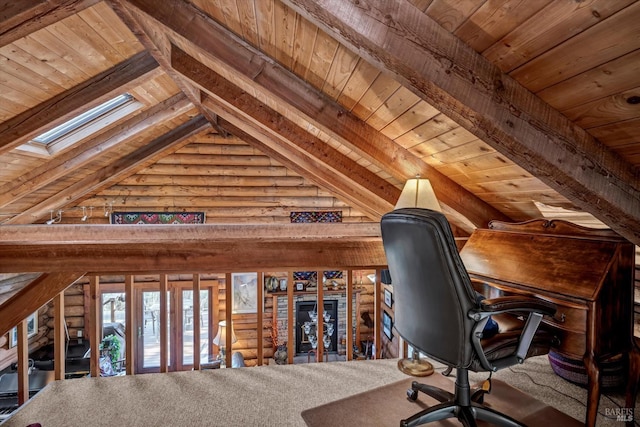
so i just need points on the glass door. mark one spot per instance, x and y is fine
(148, 353)
(181, 347)
(189, 347)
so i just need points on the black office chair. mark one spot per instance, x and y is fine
(438, 313)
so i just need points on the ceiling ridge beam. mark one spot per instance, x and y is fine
(81, 155)
(121, 168)
(190, 23)
(80, 98)
(444, 71)
(157, 45)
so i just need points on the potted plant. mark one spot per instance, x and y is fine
(110, 346)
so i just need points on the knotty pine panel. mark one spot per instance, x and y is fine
(449, 17)
(110, 28)
(363, 76)
(613, 77)
(344, 62)
(231, 16)
(595, 46)
(324, 50)
(555, 23)
(493, 20)
(392, 108)
(436, 126)
(304, 41)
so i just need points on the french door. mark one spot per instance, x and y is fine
(179, 332)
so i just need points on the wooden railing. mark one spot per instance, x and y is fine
(257, 349)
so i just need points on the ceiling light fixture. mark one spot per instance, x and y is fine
(84, 213)
(56, 219)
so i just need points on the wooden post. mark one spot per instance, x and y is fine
(23, 363)
(349, 323)
(377, 290)
(319, 323)
(176, 326)
(59, 336)
(214, 314)
(357, 313)
(228, 303)
(164, 359)
(95, 334)
(291, 325)
(259, 319)
(130, 326)
(196, 322)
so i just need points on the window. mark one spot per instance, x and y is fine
(82, 126)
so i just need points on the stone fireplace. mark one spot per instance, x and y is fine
(304, 303)
(303, 344)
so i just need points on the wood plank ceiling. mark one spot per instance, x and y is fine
(251, 109)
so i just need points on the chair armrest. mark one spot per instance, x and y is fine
(537, 308)
(517, 303)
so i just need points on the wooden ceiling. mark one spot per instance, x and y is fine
(252, 109)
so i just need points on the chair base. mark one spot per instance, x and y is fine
(464, 405)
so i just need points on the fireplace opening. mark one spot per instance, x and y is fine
(306, 326)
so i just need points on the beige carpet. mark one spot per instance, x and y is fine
(264, 396)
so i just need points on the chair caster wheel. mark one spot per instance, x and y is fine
(412, 394)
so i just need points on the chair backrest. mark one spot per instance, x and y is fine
(431, 288)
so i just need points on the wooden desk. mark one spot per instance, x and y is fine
(587, 273)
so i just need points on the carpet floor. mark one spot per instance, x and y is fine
(264, 396)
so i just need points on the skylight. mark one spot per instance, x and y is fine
(82, 126)
(81, 120)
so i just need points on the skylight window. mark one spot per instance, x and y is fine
(81, 120)
(82, 126)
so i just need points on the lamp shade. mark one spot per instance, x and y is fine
(418, 193)
(221, 337)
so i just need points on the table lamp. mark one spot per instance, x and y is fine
(221, 341)
(417, 193)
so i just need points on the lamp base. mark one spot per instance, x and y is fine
(415, 367)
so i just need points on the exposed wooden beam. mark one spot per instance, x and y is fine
(20, 18)
(187, 21)
(116, 171)
(34, 296)
(80, 98)
(440, 68)
(59, 236)
(80, 156)
(157, 45)
(198, 248)
(296, 146)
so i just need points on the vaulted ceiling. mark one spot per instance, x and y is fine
(251, 109)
